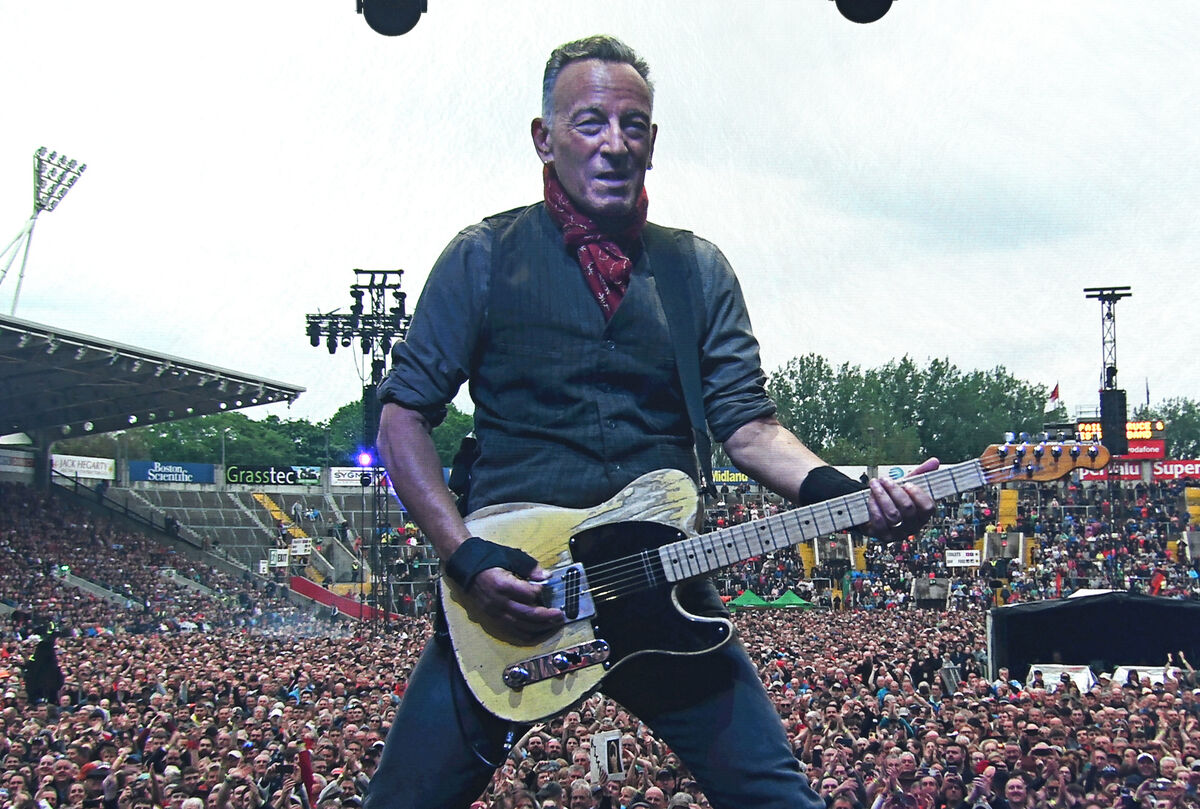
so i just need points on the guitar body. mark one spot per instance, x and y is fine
(655, 509)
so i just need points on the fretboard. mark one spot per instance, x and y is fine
(737, 543)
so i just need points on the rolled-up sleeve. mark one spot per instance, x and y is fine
(434, 360)
(734, 386)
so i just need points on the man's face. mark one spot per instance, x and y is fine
(600, 137)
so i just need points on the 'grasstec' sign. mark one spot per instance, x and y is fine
(273, 475)
(160, 472)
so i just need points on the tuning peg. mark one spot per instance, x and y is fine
(1025, 436)
(1056, 451)
(1039, 451)
(1010, 438)
(1093, 451)
(1029, 471)
(1075, 451)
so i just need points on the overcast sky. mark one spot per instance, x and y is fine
(941, 183)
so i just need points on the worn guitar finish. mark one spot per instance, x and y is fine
(614, 568)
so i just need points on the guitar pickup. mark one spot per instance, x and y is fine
(555, 664)
(568, 590)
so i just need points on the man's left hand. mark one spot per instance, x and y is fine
(898, 509)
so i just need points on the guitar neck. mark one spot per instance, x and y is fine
(708, 552)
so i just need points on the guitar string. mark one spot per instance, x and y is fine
(624, 575)
(616, 573)
(621, 576)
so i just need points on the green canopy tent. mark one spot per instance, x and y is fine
(746, 601)
(790, 600)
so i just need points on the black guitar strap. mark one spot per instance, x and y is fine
(677, 278)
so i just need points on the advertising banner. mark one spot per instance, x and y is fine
(348, 475)
(273, 475)
(1145, 449)
(1132, 470)
(79, 466)
(14, 461)
(171, 472)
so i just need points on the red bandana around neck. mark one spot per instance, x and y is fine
(603, 256)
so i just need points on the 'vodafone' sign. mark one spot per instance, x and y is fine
(1146, 449)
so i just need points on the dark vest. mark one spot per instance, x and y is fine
(569, 408)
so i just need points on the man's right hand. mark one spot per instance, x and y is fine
(515, 602)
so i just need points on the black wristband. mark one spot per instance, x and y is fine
(825, 483)
(477, 554)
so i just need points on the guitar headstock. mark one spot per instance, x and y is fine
(1041, 460)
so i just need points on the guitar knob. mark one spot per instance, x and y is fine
(516, 677)
(561, 661)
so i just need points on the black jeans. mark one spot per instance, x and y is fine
(711, 709)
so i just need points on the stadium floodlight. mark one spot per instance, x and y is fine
(54, 175)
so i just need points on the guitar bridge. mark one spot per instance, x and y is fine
(568, 590)
(555, 664)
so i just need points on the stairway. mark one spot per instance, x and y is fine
(293, 530)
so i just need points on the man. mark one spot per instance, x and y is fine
(581, 795)
(553, 313)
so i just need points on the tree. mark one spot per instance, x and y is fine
(449, 434)
(900, 412)
(1182, 419)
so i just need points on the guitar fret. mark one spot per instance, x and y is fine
(765, 531)
(737, 546)
(650, 577)
(722, 552)
(727, 546)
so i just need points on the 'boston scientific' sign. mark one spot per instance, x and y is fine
(169, 472)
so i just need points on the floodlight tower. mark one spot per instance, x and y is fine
(53, 177)
(377, 318)
(1112, 399)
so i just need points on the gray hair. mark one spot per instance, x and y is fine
(604, 48)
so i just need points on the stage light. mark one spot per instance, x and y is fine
(863, 11)
(392, 17)
(365, 460)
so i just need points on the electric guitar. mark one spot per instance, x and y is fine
(613, 570)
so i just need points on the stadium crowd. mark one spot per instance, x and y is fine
(1081, 537)
(178, 699)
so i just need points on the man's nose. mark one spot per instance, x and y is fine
(614, 141)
